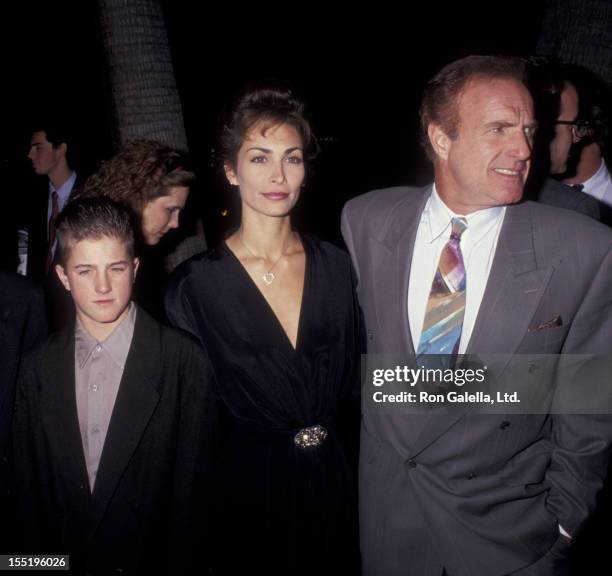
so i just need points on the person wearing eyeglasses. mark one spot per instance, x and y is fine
(587, 167)
(556, 104)
(566, 131)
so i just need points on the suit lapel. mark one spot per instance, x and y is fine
(134, 406)
(393, 264)
(391, 261)
(61, 421)
(513, 293)
(514, 289)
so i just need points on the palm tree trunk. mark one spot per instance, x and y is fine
(579, 32)
(146, 102)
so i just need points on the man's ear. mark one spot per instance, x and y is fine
(439, 140)
(230, 174)
(62, 149)
(61, 274)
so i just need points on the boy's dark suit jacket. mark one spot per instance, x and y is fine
(147, 513)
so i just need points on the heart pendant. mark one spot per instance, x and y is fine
(268, 278)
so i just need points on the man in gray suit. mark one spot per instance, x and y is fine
(464, 493)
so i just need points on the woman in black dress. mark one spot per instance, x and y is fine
(278, 315)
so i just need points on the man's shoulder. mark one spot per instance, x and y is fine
(561, 195)
(569, 226)
(378, 205)
(563, 217)
(386, 199)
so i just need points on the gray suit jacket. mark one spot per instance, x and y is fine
(481, 494)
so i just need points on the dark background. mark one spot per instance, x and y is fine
(361, 72)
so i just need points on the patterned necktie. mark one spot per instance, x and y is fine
(54, 214)
(446, 304)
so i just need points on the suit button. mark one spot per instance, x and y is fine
(412, 464)
(532, 368)
(370, 335)
(472, 475)
(505, 424)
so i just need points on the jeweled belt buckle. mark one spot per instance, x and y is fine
(309, 437)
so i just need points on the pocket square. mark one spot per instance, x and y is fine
(554, 321)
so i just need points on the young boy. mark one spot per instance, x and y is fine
(114, 419)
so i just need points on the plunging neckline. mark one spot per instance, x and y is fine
(267, 305)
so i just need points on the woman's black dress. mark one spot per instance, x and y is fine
(281, 508)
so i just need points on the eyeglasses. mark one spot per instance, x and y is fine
(580, 128)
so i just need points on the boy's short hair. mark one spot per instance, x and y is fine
(92, 219)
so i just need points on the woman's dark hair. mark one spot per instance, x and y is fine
(266, 107)
(140, 172)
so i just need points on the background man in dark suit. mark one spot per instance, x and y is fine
(463, 493)
(114, 418)
(51, 154)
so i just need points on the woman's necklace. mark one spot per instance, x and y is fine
(268, 277)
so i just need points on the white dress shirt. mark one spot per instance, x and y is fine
(600, 185)
(478, 245)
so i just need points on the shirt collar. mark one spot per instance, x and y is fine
(596, 182)
(117, 344)
(63, 192)
(439, 216)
